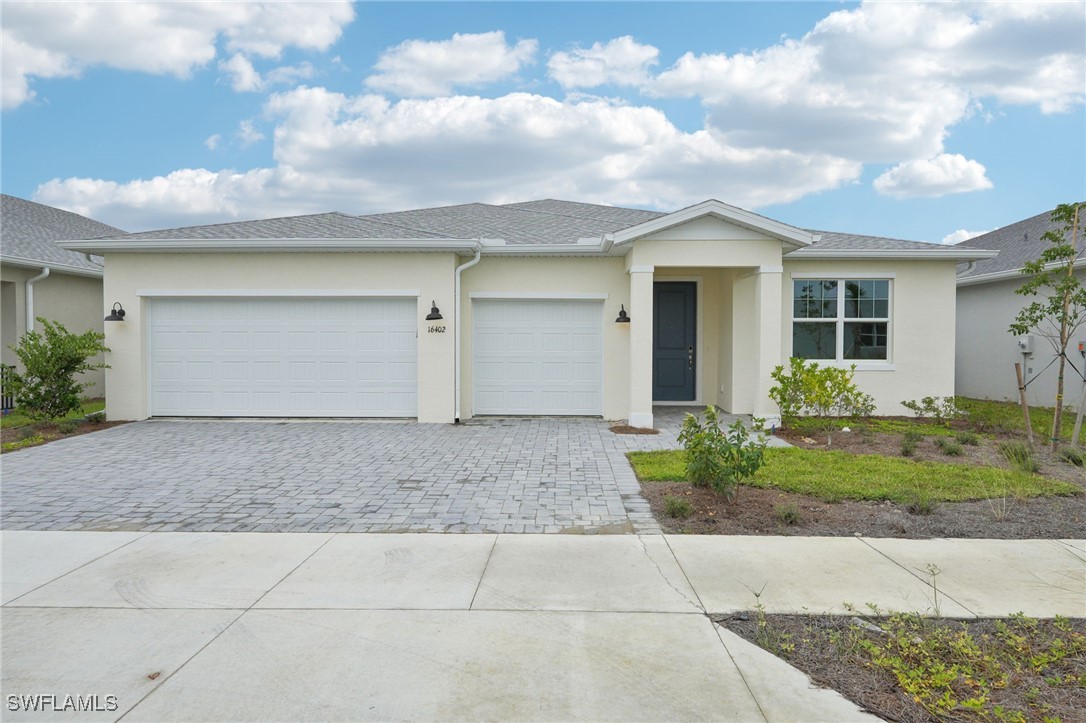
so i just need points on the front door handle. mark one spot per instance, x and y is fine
(690, 356)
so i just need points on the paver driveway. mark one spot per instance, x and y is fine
(498, 475)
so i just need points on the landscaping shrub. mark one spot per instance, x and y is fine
(807, 389)
(949, 447)
(968, 437)
(788, 514)
(721, 458)
(941, 409)
(47, 388)
(909, 440)
(68, 427)
(1073, 455)
(920, 502)
(677, 507)
(1018, 455)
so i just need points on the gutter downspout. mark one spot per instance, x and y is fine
(30, 297)
(456, 291)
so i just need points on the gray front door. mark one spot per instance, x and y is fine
(673, 341)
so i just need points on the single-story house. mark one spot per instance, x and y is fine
(537, 308)
(38, 278)
(987, 305)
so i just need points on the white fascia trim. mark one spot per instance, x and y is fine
(1009, 274)
(849, 275)
(559, 295)
(896, 254)
(23, 263)
(219, 245)
(595, 248)
(738, 216)
(274, 293)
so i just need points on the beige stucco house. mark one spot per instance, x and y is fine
(538, 308)
(987, 304)
(38, 278)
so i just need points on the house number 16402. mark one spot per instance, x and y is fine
(435, 329)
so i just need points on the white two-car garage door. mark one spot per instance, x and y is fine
(283, 357)
(538, 357)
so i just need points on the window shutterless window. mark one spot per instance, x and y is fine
(840, 319)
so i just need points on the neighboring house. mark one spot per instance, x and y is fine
(38, 278)
(988, 304)
(541, 308)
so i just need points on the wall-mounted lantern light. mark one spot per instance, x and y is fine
(435, 313)
(623, 317)
(117, 314)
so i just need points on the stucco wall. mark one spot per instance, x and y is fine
(133, 279)
(524, 277)
(921, 327)
(987, 351)
(74, 301)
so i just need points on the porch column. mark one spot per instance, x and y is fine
(641, 345)
(767, 301)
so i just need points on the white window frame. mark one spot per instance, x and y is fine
(839, 320)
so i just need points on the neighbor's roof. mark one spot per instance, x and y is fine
(1017, 243)
(29, 232)
(546, 223)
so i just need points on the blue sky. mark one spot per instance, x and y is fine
(921, 121)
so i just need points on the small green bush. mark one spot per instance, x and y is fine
(788, 514)
(920, 502)
(949, 447)
(47, 388)
(807, 389)
(909, 441)
(68, 427)
(1073, 455)
(1018, 455)
(968, 437)
(677, 507)
(941, 409)
(721, 458)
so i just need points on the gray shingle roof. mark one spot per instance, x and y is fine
(28, 231)
(835, 240)
(1017, 243)
(315, 226)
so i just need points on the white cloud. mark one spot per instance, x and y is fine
(956, 237)
(886, 81)
(60, 39)
(243, 75)
(366, 154)
(422, 68)
(212, 141)
(946, 173)
(622, 61)
(247, 134)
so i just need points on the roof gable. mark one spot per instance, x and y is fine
(734, 216)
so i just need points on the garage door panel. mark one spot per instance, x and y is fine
(283, 357)
(537, 357)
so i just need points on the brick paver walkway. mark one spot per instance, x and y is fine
(490, 475)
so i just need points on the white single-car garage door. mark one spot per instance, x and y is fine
(537, 356)
(283, 357)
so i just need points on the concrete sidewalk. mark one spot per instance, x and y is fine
(246, 626)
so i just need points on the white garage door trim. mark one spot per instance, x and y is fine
(533, 356)
(283, 356)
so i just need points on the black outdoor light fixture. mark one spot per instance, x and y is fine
(435, 313)
(117, 314)
(623, 317)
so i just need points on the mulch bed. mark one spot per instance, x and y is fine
(878, 692)
(50, 432)
(627, 429)
(766, 511)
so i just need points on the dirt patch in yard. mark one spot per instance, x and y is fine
(16, 438)
(990, 668)
(774, 512)
(627, 429)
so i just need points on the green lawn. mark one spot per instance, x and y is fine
(17, 419)
(834, 476)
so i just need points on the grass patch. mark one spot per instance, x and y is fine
(28, 441)
(833, 476)
(988, 416)
(18, 419)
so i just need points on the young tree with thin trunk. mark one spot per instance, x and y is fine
(1060, 310)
